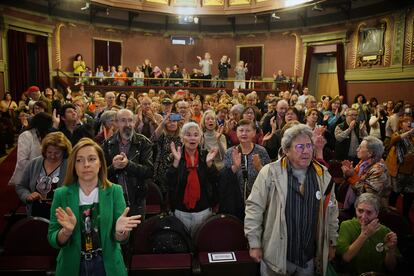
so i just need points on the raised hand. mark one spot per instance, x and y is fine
(347, 168)
(55, 119)
(236, 158)
(371, 228)
(66, 219)
(390, 241)
(210, 156)
(126, 224)
(352, 124)
(198, 57)
(326, 117)
(176, 151)
(267, 136)
(273, 124)
(362, 125)
(257, 163)
(219, 131)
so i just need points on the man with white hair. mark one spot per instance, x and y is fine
(129, 159)
(291, 217)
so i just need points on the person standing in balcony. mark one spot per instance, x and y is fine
(240, 75)
(223, 68)
(79, 67)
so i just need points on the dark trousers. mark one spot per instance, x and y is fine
(93, 267)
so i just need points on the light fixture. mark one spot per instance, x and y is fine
(187, 19)
(275, 16)
(317, 7)
(87, 4)
(290, 3)
(107, 11)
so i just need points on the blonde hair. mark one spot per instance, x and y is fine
(71, 175)
(203, 119)
(59, 140)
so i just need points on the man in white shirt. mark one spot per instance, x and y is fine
(305, 94)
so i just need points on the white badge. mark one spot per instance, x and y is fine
(318, 195)
(55, 179)
(379, 247)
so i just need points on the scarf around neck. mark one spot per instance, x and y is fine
(192, 189)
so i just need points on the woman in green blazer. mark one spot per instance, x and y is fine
(88, 217)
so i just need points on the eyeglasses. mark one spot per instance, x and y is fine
(300, 148)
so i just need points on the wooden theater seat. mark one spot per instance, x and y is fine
(26, 249)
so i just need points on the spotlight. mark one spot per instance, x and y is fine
(107, 11)
(275, 16)
(195, 19)
(317, 7)
(86, 6)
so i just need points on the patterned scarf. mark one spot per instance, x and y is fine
(192, 189)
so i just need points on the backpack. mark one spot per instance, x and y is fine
(170, 236)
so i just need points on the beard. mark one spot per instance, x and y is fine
(126, 133)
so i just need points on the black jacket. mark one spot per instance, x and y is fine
(177, 182)
(230, 196)
(138, 170)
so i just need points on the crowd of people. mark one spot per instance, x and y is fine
(153, 75)
(84, 161)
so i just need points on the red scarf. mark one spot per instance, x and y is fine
(192, 189)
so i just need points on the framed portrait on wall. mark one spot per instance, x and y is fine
(371, 42)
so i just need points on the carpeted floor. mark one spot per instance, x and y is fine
(8, 197)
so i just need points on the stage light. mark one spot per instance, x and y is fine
(275, 16)
(317, 7)
(87, 4)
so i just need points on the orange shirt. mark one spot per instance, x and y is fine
(120, 76)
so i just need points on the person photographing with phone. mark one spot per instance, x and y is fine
(166, 133)
(364, 244)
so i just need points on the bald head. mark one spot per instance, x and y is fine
(281, 107)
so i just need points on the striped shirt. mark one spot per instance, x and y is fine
(302, 205)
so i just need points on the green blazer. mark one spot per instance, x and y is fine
(111, 206)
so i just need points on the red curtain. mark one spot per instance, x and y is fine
(306, 71)
(340, 69)
(42, 65)
(18, 63)
(101, 53)
(253, 57)
(115, 53)
(107, 53)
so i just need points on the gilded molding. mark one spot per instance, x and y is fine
(409, 39)
(57, 42)
(381, 74)
(387, 41)
(354, 51)
(399, 28)
(296, 68)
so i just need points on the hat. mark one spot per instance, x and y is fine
(166, 101)
(32, 89)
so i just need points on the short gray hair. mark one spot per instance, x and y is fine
(107, 116)
(375, 146)
(368, 198)
(238, 108)
(123, 110)
(187, 126)
(293, 132)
